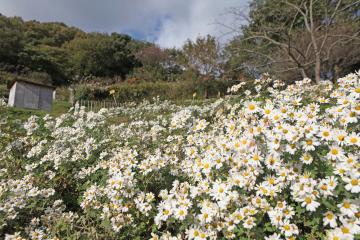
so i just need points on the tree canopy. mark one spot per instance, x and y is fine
(290, 39)
(297, 38)
(64, 53)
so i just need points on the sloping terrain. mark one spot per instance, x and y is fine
(278, 163)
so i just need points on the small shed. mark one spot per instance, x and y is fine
(31, 95)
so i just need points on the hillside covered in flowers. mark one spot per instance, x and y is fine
(278, 162)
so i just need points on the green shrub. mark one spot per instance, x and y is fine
(126, 92)
(3, 91)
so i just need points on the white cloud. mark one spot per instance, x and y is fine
(166, 22)
(202, 19)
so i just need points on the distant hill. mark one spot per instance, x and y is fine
(62, 54)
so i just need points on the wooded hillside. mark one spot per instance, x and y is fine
(61, 53)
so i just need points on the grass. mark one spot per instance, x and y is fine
(3, 90)
(58, 108)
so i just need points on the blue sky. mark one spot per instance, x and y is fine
(166, 22)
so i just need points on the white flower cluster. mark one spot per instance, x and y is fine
(236, 88)
(3, 102)
(281, 166)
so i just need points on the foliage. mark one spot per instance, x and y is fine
(65, 53)
(126, 92)
(202, 55)
(294, 39)
(280, 163)
(157, 64)
(102, 55)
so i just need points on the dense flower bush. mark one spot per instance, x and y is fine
(278, 163)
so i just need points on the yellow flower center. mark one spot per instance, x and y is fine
(345, 230)
(354, 182)
(308, 200)
(334, 151)
(287, 227)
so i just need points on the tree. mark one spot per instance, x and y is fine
(202, 56)
(151, 55)
(46, 59)
(64, 52)
(296, 35)
(102, 55)
(157, 63)
(10, 40)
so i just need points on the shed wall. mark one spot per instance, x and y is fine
(31, 96)
(19, 95)
(11, 100)
(46, 97)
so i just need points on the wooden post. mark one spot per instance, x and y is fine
(71, 96)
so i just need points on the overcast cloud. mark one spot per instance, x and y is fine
(166, 22)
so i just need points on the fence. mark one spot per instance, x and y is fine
(97, 105)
